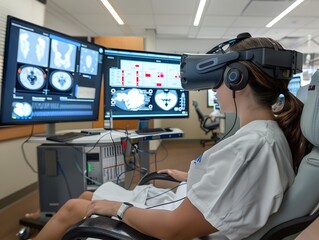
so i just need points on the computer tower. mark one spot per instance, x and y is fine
(67, 170)
(61, 171)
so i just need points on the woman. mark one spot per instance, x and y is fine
(233, 187)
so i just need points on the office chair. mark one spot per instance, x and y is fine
(298, 209)
(206, 125)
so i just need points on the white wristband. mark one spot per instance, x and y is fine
(124, 206)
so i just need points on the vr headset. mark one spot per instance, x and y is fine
(208, 71)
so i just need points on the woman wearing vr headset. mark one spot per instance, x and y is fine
(234, 186)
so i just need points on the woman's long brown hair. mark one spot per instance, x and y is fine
(267, 91)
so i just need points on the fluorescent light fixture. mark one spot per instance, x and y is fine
(199, 12)
(112, 11)
(284, 13)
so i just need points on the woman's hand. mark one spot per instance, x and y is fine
(178, 175)
(103, 207)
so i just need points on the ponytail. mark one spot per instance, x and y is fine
(288, 118)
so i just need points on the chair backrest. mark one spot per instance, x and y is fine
(200, 114)
(303, 196)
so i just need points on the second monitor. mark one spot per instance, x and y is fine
(143, 85)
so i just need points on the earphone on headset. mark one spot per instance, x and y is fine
(236, 76)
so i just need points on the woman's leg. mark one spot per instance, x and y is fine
(87, 195)
(70, 213)
(35, 215)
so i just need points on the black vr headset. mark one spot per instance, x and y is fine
(208, 71)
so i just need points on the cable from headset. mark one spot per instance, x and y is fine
(168, 190)
(235, 104)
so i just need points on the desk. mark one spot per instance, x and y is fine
(107, 136)
(65, 170)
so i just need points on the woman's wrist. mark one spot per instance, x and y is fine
(116, 208)
(122, 209)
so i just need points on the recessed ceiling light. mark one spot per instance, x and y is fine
(199, 12)
(284, 13)
(112, 11)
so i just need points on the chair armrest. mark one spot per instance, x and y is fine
(210, 125)
(156, 176)
(290, 227)
(104, 228)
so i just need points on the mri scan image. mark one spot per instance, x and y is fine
(166, 99)
(88, 61)
(130, 99)
(31, 78)
(21, 110)
(61, 81)
(33, 48)
(62, 55)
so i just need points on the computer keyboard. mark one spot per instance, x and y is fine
(65, 137)
(150, 131)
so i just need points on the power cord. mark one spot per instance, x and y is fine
(24, 154)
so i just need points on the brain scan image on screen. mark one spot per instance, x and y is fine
(31, 78)
(33, 48)
(88, 61)
(166, 100)
(130, 99)
(61, 81)
(21, 110)
(62, 55)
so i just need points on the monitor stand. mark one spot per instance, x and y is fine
(144, 124)
(144, 146)
(144, 127)
(50, 130)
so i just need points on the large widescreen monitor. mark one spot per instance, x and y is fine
(143, 85)
(295, 84)
(48, 77)
(212, 100)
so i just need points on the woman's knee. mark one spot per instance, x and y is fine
(87, 195)
(71, 207)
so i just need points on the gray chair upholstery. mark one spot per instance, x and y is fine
(303, 196)
(296, 211)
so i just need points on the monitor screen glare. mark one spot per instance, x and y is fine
(143, 85)
(48, 76)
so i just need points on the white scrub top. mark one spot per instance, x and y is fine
(238, 183)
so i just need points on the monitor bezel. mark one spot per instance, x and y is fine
(107, 113)
(47, 120)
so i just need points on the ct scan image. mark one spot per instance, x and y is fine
(31, 78)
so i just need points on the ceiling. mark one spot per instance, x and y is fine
(222, 19)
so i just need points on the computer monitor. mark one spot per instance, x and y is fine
(143, 85)
(48, 77)
(212, 100)
(294, 84)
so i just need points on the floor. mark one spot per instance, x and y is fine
(170, 154)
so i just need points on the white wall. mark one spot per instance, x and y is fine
(14, 172)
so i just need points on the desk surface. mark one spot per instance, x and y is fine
(108, 136)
